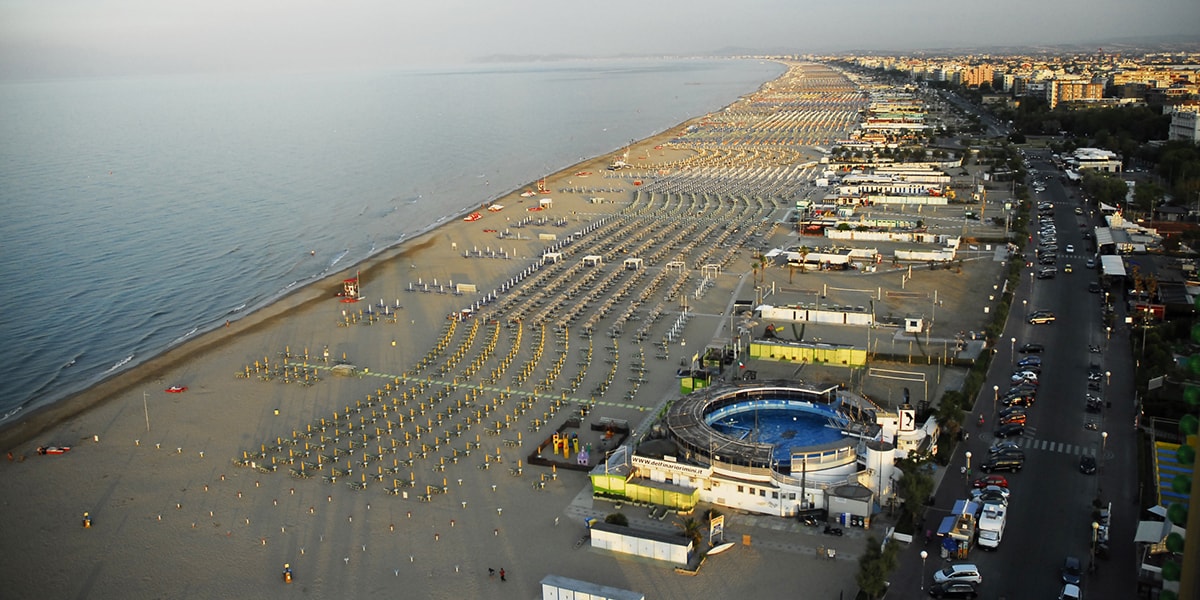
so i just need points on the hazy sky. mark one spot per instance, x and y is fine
(50, 38)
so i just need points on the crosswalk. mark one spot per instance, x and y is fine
(1049, 446)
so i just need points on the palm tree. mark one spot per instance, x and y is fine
(692, 529)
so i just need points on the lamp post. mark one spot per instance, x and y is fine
(995, 400)
(1095, 534)
(1107, 378)
(1100, 464)
(1012, 351)
(924, 555)
(967, 472)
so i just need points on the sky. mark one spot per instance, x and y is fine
(66, 38)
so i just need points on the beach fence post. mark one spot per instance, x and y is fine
(146, 408)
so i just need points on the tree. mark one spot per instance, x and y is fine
(874, 566)
(617, 519)
(914, 487)
(692, 530)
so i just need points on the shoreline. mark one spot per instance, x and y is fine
(404, 467)
(29, 423)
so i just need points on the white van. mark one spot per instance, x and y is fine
(959, 572)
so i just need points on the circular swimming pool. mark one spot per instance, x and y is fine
(784, 427)
(763, 426)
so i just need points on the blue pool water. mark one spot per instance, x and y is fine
(786, 428)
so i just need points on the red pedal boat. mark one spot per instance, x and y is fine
(176, 389)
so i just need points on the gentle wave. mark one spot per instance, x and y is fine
(120, 364)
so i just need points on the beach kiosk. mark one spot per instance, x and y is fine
(351, 291)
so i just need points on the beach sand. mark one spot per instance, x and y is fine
(173, 516)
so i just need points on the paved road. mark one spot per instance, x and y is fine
(1050, 514)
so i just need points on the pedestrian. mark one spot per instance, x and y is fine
(502, 574)
(491, 572)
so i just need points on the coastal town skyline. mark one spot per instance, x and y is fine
(133, 37)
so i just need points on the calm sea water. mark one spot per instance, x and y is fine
(138, 213)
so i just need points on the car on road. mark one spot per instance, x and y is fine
(1013, 418)
(1078, 211)
(1030, 361)
(1003, 463)
(1007, 452)
(1068, 269)
(1012, 410)
(1070, 591)
(959, 572)
(1091, 263)
(1024, 400)
(987, 480)
(953, 589)
(1041, 319)
(1087, 465)
(1072, 570)
(1010, 430)
(1025, 377)
(1031, 348)
(1094, 287)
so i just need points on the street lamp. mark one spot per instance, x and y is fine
(1095, 534)
(924, 555)
(1107, 333)
(1108, 378)
(968, 471)
(995, 399)
(1012, 352)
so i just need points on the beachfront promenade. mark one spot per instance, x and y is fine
(399, 462)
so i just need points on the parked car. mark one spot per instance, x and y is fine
(1013, 418)
(1032, 348)
(1011, 410)
(1030, 361)
(1087, 465)
(1041, 319)
(1072, 570)
(1025, 377)
(1070, 591)
(1007, 452)
(959, 572)
(1022, 401)
(992, 489)
(1010, 430)
(987, 480)
(953, 589)
(1003, 463)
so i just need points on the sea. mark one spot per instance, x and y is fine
(138, 213)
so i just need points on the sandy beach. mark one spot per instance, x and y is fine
(209, 492)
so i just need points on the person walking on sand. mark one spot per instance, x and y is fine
(502, 575)
(491, 572)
